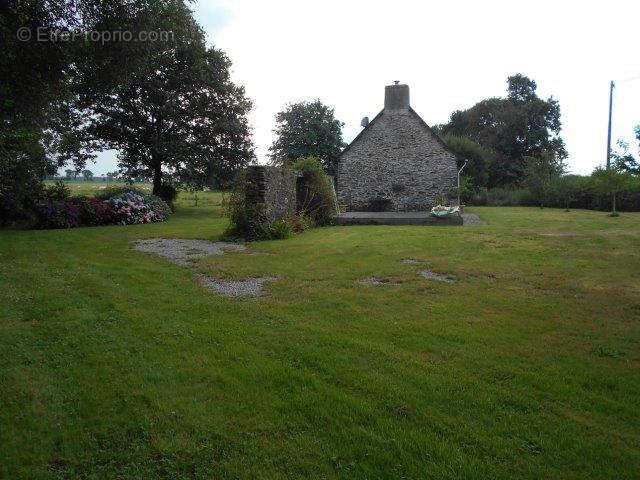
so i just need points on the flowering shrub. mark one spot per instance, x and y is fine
(94, 211)
(58, 215)
(123, 209)
(161, 209)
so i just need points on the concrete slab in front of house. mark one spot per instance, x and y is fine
(394, 218)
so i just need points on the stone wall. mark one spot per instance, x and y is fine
(273, 187)
(397, 157)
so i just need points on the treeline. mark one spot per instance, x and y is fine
(567, 191)
(512, 154)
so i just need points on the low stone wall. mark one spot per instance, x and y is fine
(273, 187)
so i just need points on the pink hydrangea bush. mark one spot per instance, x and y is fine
(123, 209)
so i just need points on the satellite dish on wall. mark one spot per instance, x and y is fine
(364, 122)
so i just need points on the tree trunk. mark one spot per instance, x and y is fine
(614, 202)
(157, 180)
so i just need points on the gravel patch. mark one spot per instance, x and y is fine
(182, 251)
(251, 287)
(430, 275)
(471, 219)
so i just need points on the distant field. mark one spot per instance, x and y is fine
(202, 199)
(118, 364)
(81, 187)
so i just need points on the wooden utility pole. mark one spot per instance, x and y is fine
(609, 129)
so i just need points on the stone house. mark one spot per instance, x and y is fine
(396, 162)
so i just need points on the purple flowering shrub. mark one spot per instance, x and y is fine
(123, 209)
(58, 215)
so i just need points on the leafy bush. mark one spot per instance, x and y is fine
(280, 229)
(58, 192)
(504, 197)
(58, 215)
(94, 211)
(316, 195)
(124, 209)
(479, 159)
(21, 174)
(161, 209)
(300, 223)
(611, 183)
(567, 191)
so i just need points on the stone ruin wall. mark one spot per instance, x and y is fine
(274, 187)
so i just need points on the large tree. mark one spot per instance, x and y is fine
(176, 113)
(166, 102)
(307, 129)
(518, 126)
(40, 124)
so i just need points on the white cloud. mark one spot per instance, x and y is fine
(452, 54)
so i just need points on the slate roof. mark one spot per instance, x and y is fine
(422, 122)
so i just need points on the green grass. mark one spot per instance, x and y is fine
(118, 364)
(83, 187)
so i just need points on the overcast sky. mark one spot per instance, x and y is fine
(451, 54)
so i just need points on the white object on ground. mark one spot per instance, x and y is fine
(442, 211)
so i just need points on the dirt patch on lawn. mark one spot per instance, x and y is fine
(183, 251)
(440, 277)
(251, 287)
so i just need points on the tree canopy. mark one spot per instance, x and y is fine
(610, 181)
(479, 159)
(166, 102)
(307, 129)
(517, 126)
(176, 111)
(623, 160)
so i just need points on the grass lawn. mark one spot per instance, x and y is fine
(118, 364)
(84, 187)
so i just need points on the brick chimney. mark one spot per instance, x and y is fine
(396, 97)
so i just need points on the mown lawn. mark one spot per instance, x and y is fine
(118, 364)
